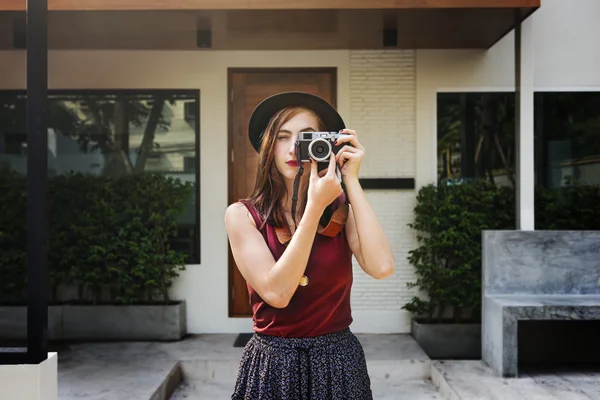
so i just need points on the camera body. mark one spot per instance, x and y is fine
(318, 146)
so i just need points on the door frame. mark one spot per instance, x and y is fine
(230, 72)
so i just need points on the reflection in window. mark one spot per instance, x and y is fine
(476, 140)
(113, 134)
(476, 137)
(568, 139)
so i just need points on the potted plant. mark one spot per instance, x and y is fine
(109, 257)
(449, 220)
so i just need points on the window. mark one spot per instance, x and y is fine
(476, 140)
(567, 139)
(476, 137)
(115, 133)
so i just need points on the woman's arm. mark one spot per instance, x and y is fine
(277, 281)
(366, 237)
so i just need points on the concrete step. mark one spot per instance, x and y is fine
(421, 389)
(225, 371)
(395, 357)
(397, 366)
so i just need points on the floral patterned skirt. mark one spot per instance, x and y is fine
(328, 367)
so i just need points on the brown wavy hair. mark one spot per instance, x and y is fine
(269, 187)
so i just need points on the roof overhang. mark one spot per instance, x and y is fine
(273, 24)
(122, 5)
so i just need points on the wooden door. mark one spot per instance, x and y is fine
(247, 88)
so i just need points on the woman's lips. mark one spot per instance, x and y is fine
(292, 163)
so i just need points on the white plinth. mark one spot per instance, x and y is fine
(30, 382)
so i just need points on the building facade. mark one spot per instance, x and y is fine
(390, 96)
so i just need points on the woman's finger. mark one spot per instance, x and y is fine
(314, 173)
(349, 138)
(331, 168)
(346, 156)
(351, 149)
(347, 149)
(349, 132)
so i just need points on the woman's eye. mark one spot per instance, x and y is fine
(282, 137)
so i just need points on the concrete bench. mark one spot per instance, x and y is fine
(535, 275)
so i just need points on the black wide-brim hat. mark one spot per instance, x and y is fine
(263, 113)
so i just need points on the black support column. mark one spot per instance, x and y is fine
(37, 176)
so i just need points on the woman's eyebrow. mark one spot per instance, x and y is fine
(307, 129)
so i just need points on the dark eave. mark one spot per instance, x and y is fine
(270, 24)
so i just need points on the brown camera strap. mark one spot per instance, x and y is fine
(335, 225)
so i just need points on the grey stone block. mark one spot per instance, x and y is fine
(502, 313)
(541, 262)
(535, 275)
(492, 339)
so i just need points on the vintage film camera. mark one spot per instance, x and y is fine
(318, 146)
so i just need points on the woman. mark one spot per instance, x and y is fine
(298, 267)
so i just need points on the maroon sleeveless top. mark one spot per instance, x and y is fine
(320, 307)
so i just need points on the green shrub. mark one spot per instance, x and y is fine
(449, 220)
(107, 237)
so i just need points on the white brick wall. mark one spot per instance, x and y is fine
(382, 111)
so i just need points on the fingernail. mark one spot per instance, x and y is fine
(336, 143)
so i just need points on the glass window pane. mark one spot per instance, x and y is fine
(115, 134)
(568, 160)
(476, 137)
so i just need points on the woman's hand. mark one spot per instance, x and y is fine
(349, 157)
(323, 188)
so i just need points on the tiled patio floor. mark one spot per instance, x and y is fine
(473, 380)
(208, 365)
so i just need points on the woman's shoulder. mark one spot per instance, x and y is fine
(236, 208)
(239, 213)
(244, 210)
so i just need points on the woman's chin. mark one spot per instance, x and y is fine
(289, 176)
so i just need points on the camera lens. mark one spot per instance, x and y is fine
(319, 149)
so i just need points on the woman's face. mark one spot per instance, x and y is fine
(285, 157)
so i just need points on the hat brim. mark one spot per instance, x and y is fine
(263, 113)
